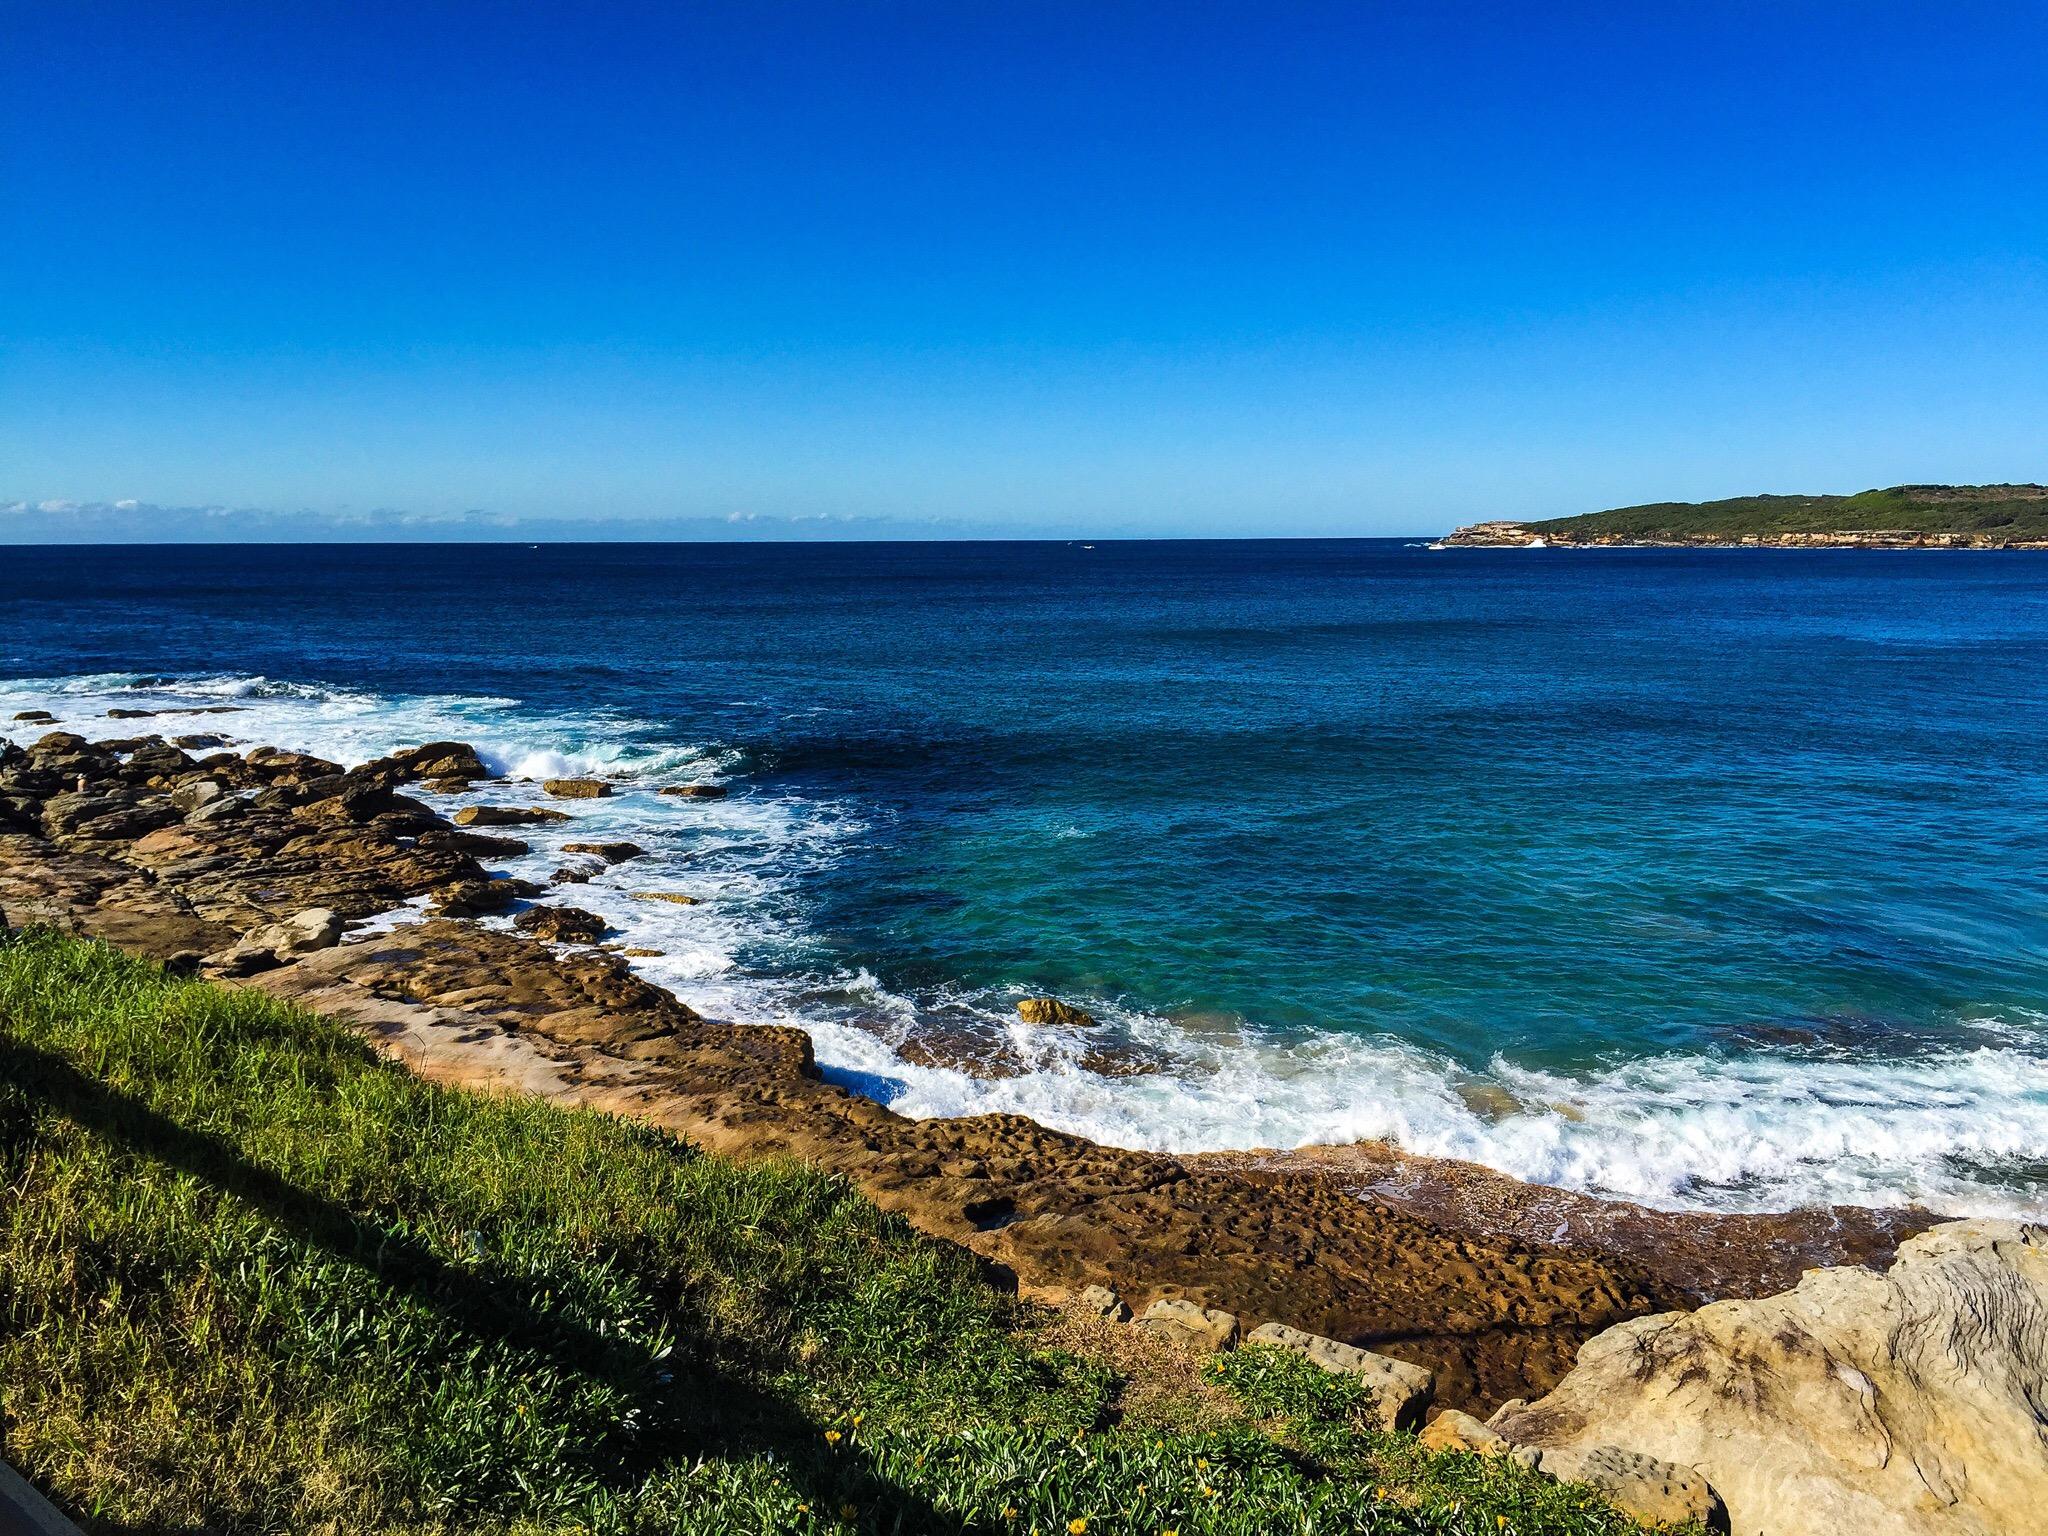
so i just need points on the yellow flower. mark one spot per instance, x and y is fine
(1076, 1526)
(847, 1511)
(1009, 1511)
(1501, 1521)
(1201, 1464)
(831, 1437)
(1169, 1532)
(803, 1509)
(857, 1418)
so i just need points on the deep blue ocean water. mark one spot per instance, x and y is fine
(1708, 878)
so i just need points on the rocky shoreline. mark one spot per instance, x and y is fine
(280, 870)
(1511, 535)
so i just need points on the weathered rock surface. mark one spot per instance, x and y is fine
(1050, 1010)
(1910, 1403)
(1654, 1491)
(1189, 1324)
(506, 816)
(577, 789)
(697, 791)
(274, 944)
(1401, 1392)
(1101, 1301)
(561, 925)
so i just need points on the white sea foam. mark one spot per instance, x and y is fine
(1963, 1129)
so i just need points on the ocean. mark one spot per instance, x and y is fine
(1711, 880)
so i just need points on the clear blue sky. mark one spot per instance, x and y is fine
(767, 270)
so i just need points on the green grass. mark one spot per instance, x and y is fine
(256, 1279)
(2003, 511)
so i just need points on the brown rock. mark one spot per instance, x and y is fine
(1050, 1010)
(475, 898)
(673, 898)
(34, 716)
(577, 789)
(561, 925)
(697, 791)
(505, 816)
(611, 853)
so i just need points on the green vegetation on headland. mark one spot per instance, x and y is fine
(257, 1279)
(1914, 516)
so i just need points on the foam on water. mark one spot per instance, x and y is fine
(1962, 1129)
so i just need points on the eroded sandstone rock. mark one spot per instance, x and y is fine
(561, 925)
(1190, 1325)
(1101, 1301)
(697, 791)
(1910, 1403)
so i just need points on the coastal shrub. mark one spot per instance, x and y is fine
(256, 1279)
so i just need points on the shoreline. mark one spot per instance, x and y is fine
(215, 862)
(1512, 535)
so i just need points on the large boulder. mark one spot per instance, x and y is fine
(1910, 1403)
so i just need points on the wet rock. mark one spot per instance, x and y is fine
(199, 743)
(1201, 1329)
(577, 789)
(697, 791)
(505, 816)
(130, 714)
(1909, 1403)
(1050, 1010)
(639, 952)
(34, 716)
(1401, 1392)
(673, 898)
(561, 925)
(437, 762)
(1101, 1301)
(611, 853)
(475, 898)
(481, 844)
(572, 874)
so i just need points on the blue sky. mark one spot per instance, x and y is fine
(949, 269)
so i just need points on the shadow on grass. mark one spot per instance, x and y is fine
(711, 1412)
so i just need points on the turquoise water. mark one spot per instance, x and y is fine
(1704, 878)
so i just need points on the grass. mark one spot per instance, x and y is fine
(257, 1280)
(2001, 511)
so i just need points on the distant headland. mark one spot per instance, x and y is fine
(1902, 517)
